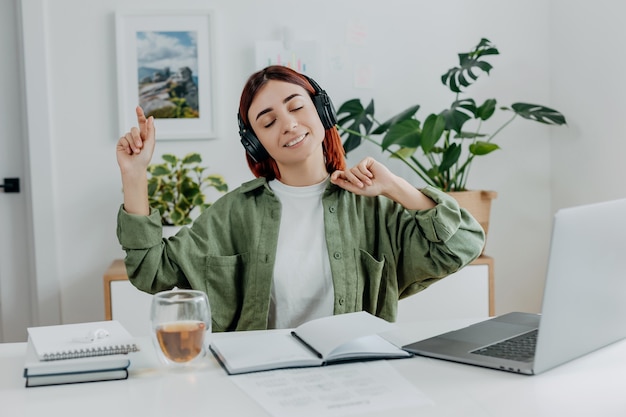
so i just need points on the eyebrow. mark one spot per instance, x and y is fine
(269, 109)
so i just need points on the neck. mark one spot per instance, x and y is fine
(303, 174)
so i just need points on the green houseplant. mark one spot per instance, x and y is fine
(441, 147)
(177, 186)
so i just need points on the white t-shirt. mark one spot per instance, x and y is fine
(302, 287)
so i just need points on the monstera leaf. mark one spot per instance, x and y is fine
(357, 120)
(470, 67)
(538, 113)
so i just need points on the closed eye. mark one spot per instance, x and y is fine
(267, 125)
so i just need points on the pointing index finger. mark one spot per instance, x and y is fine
(141, 120)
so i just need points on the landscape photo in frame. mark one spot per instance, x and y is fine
(164, 66)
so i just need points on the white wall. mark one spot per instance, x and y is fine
(14, 289)
(409, 44)
(588, 59)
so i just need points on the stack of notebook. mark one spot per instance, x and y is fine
(82, 352)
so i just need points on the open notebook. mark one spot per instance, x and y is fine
(323, 341)
(584, 302)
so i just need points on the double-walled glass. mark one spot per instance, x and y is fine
(181, 325)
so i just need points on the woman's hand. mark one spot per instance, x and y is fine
(371, 178)
(368, 177)
(135, 148)
(134, 151)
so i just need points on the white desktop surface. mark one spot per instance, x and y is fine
(590, 386)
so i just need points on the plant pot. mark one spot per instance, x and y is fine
(478, 203)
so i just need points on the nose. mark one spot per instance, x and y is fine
(289, 123)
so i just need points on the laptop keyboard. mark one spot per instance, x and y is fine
(518, 348)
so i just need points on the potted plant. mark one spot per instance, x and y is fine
(177, 186)
(441, 147)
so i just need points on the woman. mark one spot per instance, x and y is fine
(307, 238)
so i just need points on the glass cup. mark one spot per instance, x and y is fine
(181, 325)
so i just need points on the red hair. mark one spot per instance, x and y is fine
(334, 154)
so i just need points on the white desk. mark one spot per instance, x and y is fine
(590, 386)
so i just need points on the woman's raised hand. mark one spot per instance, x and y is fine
(368, 177)
(134, 152)
(135, 148)
(371, 178)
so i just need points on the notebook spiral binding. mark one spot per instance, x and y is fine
(89, 352)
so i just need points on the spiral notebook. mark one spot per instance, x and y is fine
(80, 340)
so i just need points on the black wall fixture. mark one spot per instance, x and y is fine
(11, 185)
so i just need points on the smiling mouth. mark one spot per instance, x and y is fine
(295, 141)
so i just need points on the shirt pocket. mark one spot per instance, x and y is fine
(376, 292)
(225, 284)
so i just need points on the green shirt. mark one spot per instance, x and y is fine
(379, 251)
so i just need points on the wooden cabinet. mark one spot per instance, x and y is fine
(467, 293)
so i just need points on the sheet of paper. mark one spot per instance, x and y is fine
(333, 391)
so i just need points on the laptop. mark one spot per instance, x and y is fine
(583, 306)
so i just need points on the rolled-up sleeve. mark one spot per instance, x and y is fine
(138, 232)
(456, 240)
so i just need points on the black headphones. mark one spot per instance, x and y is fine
(325, 110)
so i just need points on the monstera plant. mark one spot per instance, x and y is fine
(441, 147)
(178, 185)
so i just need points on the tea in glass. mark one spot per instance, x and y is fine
(181, 320)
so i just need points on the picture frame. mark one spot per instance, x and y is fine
(165, 65)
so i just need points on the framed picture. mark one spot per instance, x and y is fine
(164, 65)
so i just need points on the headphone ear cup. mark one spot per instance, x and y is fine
(251, 143)
(325, 109)
(254, 148)
(323, 105)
